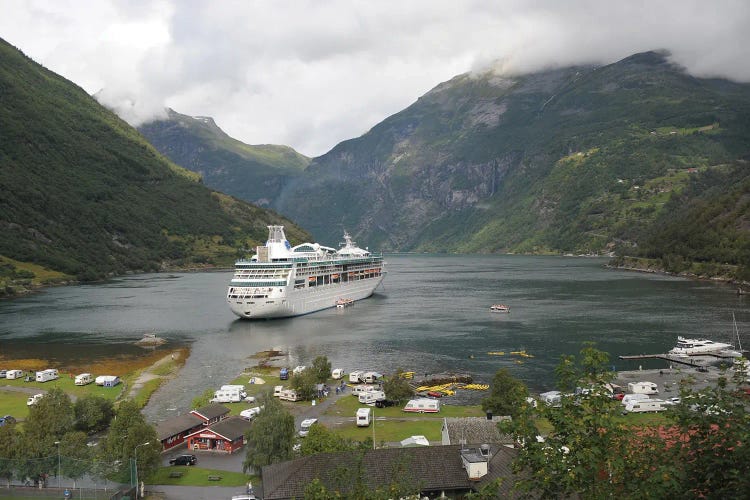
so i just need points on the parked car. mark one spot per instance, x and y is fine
(183, 460)
(382, 403)
(3, 373)
(7, 419)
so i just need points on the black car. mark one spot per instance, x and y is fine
(184, 460)
(383, 403)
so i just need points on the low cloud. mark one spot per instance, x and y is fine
(310, 74)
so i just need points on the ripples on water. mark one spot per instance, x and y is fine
(430, 316)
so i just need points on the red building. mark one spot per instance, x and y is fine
(173, 432)
(210, 414)
(226, 436)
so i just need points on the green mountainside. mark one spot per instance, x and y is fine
(580, 160)
(84, 196)
(253, 173)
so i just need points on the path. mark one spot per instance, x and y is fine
(147, 374)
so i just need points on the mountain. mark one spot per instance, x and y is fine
(577, 159)
(253, 173)
(84, 196)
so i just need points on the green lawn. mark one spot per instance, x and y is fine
(348, 405)
(195, 476)
(391, 430)
(67, 384)
(14, 403)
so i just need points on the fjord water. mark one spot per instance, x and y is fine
(430, 316)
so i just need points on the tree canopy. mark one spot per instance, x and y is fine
(271, 437)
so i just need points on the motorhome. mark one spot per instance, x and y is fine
(629, 398)
(363, 417)
(360, 389)
(372, 377)
(84, 379)
(34, 399)
(551, 398)
(337, 373)
(277, 390)
(47, 375)
(369, 398)
(107, 380)
(304, 427)
(290, 395)
(647, 405)
(356, 376)
(423, 405)
(13, 374)
(643, 388)
(238, 388)
(227, 396)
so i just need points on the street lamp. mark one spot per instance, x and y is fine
(135, 458)
(58, 464)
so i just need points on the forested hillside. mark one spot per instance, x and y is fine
(254, 173)
(84, 196)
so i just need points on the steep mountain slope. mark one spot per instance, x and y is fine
(253, 173)
(578, 159)
(83, 195)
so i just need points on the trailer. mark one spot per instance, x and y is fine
(107, 380)
(298, 369)
(34, 399)
(83, 379)
(235, 388)
(551, 398)
(370, 397)
(643, 388)
(630, 398)
(363, 417)
(372, 377)
(277, 390)
(647, 405)
(227, 396)
(423, 405)
(290, 395)
(337, 373)
(361, 389)
(13, 374)
(356, 376)
(47, 375)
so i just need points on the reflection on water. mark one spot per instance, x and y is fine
(430, 316)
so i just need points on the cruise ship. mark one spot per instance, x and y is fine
(281, 281)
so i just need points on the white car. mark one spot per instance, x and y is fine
(305, 426)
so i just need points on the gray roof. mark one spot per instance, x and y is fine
(431, 468)
(230, 428)
(212, 411)
(475, 430)
(176, 425)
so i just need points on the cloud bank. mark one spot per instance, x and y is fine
(310, 74)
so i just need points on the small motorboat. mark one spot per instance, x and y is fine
(435, 394)
(501, 308)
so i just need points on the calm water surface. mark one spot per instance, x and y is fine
(429, 316)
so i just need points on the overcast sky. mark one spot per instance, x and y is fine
(310, 74)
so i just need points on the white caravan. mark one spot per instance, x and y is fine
(47, 375)
(643, 388)
(423, 405)
(84, 379)
(363, 417)
(369, 398)
(647, 405)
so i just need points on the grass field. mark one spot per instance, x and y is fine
(195, 476)
(14, 403)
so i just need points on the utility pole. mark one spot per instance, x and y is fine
(58, 464)
(135, 458)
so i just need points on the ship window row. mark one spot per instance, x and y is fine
(270, 273)
(330, 279)
(258, 283)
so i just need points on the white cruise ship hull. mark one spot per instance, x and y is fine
(286, 302)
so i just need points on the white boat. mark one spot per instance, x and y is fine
(341, 303)
(281, 281)
(499, 308)
(696, 347)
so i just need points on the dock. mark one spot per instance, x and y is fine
(689, 361)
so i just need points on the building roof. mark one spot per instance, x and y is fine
(475, 430)
(211, 411)
(176, 425)
(230, 428)
(431, 468)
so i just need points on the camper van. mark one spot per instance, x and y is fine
(13, 374)
(277, 390)
(84, 379)
(372, 377)
(423, 405)
(235, 388)
(227, 396)
(363, 417)
(290, 395)
(337, 373)
(646, 405)
(284, 374)
(47, 375)
(370, 397)
(298, 369)
(356, 376)
(643, 388)
(629, 398)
